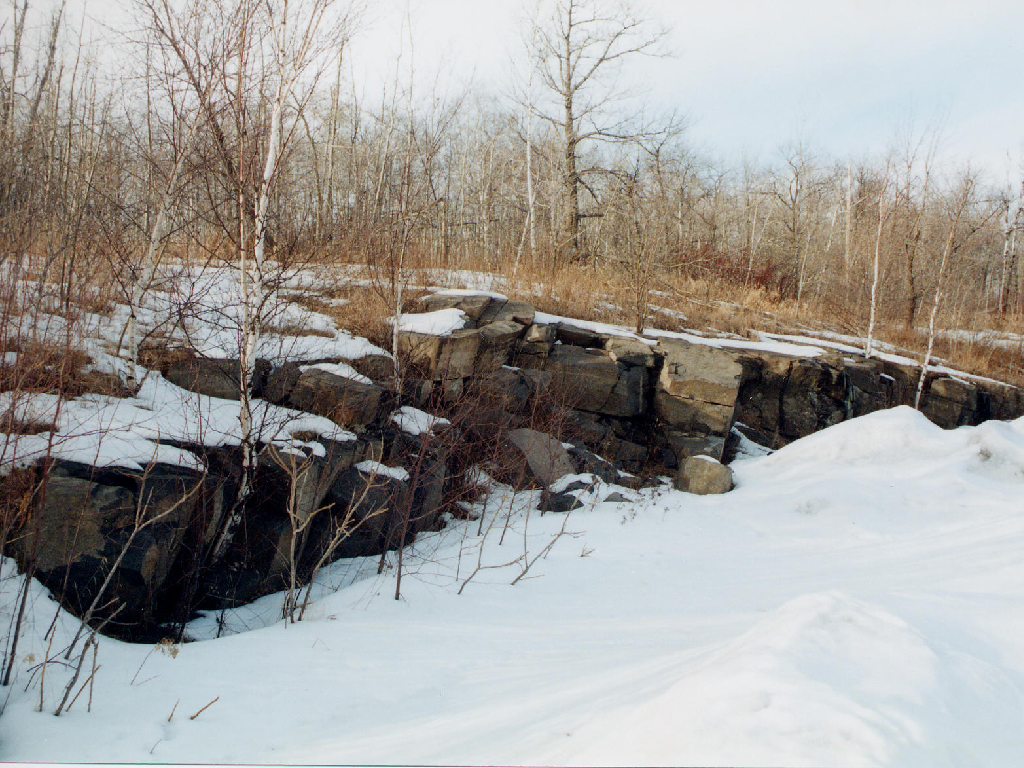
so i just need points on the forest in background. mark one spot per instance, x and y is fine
(231, 133)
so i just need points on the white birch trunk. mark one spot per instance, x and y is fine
(882, 213)
(940, 288)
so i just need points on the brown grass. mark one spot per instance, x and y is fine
(41, 368)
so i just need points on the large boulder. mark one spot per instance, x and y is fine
(623, 349)
(503, 310)
(366, 513)
(497, 340)
(514, 388)
(576, 336)
(89, 518)
(867, 389)
(473, 304)
(787, 397)
(545, 457)
(376, 367)
(347, 401)
(951, 402)
(814, 397)
(215, 377)
(697, 392)
(699, 372)
(587, 462)
(451, 356)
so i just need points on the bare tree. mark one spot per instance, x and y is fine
(577, 51)
(956, 236)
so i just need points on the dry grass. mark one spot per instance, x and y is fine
(41, 368)
(601, 292)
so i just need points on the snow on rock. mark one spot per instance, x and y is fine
(128, 432)
(441, 322)
(376, 468)
(607, 329)
(343, 370)
(417, 422)
(469, 292)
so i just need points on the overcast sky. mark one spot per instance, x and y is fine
(754, 74)
(751, 75)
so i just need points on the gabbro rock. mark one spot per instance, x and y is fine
(346, 401)
(699, 372)
(591, 381)
(697, 389)
(89, 518)
(951, 400)
(503, 310)
(473, 305)
(497, 341)
(545, 456)
(441, 357)
(215, 377)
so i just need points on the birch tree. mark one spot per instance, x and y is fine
(961, 200)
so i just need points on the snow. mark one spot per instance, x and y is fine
(854, 601)
(469, 292)
(438, 323)
(129, 432)
(376, 468)
(650, 337)
(854, 345)
(417, 422)
(765, 344)
(343, 370)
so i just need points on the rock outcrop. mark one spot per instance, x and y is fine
(550, 398)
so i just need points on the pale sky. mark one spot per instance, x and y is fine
(754, 74)
(751, 75)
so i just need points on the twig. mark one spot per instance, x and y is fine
(174, 709)
(197, 714)
(42, 677)
(88, 681)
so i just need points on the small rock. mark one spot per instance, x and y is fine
(559, 502)
(703, 475)
(615, 498)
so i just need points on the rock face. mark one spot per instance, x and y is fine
(441, 357)
(214, 377)
(703, 475)
(592, 381)
(696, 396)
(90, 518)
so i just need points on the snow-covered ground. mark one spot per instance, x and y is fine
(855, 601)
